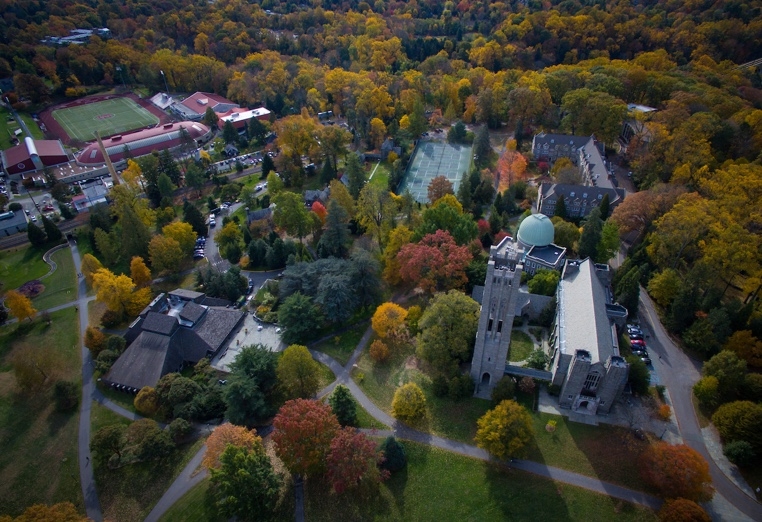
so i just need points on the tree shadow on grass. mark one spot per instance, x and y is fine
(522, 496)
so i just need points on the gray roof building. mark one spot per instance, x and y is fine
(175, 330)
(579, 199)
(12, 222)
(553, 146)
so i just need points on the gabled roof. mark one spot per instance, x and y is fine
(216, 325)
(192, 312)
(199, 101)
(583, 321)
(186, 294)
(159, 323)
(144, 362)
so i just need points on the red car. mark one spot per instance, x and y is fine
(636, 342)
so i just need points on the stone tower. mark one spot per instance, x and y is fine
(493, 338)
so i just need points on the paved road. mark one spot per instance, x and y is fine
(679, 373)
(184, 482)
(90, 494)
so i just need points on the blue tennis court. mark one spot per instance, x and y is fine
(432, 159)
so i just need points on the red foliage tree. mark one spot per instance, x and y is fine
(483, 226)
(303, 433)
(353, 459)
(682, 510)
(677, 472)
(437, 263)
(319, 209)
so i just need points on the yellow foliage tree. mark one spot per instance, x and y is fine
(147, 401)
(113, 290)
(89, 266)
(61, 512)
(224, 436)
(398, 238)
(94, 340)
(165, 253)
(505, 430)
(388, 318)
(20, 306)
(409, 403)
(132, 174)
(139, 272)
(183, 233)
(138, 300)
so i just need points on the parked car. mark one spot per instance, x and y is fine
(198, 255)
(34, 218)
(250, 288)
(635, 337)
(637, 342)
(645, 359)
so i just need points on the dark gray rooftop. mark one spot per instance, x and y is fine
(477, 294)
(144, 361)
(549, 254)
(192, 312)
(186, 294)
(216, 325)
(159, 323)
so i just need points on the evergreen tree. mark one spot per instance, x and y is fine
(605, 207)
(482, 147)
(210, 118)
(682, 312)
(628, 291)
(166, 187)
(464, 191)
(51, 230)
(135, 234)
(344, 406)
(168, 165)
(560, 210)
(229, 132)
(335, 240)
(495, 221)
(356, 175)
(591, 235)
(267, 166)
(328, 172)
(257, 131)
(35, 234)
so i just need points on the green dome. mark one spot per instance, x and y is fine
(536, 230)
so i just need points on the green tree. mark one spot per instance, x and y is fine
(505, 430)
(394, 454)
(108, 441)
(707, 391)
(291, 215)
(229, 132)
(35, 234)
(740, 453)
(195, 178)
(740, 420)
(482, 148)
(343, 405)
(605, 207)
(448, 328)
(504, 390)
(299, 317)
(252, 381)
(166, 187)
(51, 230)
(639, 376)
(246, 486)
(447, 214)
(628, 291)
(268, 166)
(409, 403)
(298, 373)
(66, 395)
(135, 235)
(566, 234)
(591, 235)
(193, 217)
(355, 173)
(335, 240)
(609, 242)
(210, 118)
(544, 282)
(538, 360)
(730, 371)
(560, 210)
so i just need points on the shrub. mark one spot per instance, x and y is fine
(661, 391)
(394, 455)
(409, 403)
(379, 352)
(682, 510)
(146, 402)
(537, 360)
(527, 385)
(95, 341)
(116, 344)
(66, 395)
(179, 429)
(15, 207)
(740, 452)
(110, 319)
(664, 412)
(707, 392)
(504, 390)
(440, 386)
(460, 387)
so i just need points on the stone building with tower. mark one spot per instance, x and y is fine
(499, 298)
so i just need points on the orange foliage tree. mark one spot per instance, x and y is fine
(228, 435)
(303, 433)
(510, 168)
(677, 472)
(437, 263)
(682, 510)
(379, 352)
(387, 318)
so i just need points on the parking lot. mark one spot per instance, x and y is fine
(251, 332)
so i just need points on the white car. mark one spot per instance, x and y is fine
(34, 219)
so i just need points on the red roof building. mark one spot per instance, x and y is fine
(32, 155)
(194, 106)
(143, 142)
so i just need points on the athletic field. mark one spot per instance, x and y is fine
(432, 159)
(109, 117)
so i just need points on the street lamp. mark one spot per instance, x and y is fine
(165, 82)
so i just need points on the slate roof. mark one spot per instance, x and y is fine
(584, 322)
(216, 325)
(186, 294)
(192, 312)
(159, 323)
(144, 361)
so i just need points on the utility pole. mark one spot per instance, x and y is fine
(165, 82)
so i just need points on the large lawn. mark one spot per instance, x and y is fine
(19, 265)
(576, 447)
(130, 492)
(341, 345)
(380, 172)
(38, 462)
(438, 485)
(61, 286)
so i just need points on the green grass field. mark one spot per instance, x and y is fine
(521, 346)
(19, 265)
(61, 286)
(109, 117)
(39, 458)
(341, 346)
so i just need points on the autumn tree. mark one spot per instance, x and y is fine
(113, 290)
(663, 286)
(707, 392)
(436, 263)
(89, 266)
(61, 512)
(590, 112)
(448, 328)
(379, 351)
(505, 430)
(35, 367)
(409, 403)
(398, 237)
(375, 210)
(352, 460)
(95, 340)
(245, 484)
(676, 472)
(226, 435)
(439, 186)
(303, 433)
(729, 370)
(146, 402)
(740, 420)
(746, 346)
(20, 305)
(165, 253)
(183, 233)
(387, 318)
(139, 272)
(682, 510)
(343, 405)
(291, 215)
(510, 168)
(298, 372)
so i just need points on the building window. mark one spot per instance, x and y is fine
(570, 397)
(489, 326)
(591, 381)
(499, 326)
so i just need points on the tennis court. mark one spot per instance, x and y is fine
(109, 117)
(432, 159)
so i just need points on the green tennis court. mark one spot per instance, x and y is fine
(432, 159)
(109, 117)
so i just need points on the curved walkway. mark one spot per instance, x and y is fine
(49, 261)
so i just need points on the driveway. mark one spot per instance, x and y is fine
(678, 373)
